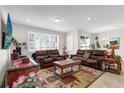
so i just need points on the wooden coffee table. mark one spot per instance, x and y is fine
(66, 67)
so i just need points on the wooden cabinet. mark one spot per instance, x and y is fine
(17, 69)
(113, 65)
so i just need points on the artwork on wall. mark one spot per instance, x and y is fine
(111, 43)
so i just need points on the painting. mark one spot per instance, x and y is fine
(115, 42)
(111, 43)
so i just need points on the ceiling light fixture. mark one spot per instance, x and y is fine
(57, 19)
(27, 20)
(88, 18)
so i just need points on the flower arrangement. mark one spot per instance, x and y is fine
(64, 49)
(97, 42)
(31, 81)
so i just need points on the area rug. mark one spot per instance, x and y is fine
(81, 79)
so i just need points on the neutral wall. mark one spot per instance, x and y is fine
(114, 34)
(4, 60)
(4, 56)
(0, 27)
(20, 33)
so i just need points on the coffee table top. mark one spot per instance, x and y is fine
(67, 62)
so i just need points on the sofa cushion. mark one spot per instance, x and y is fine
(54, 55)
(94, 56)
(48, 60)
(60, 58)
(79, 55)
(41, 53)
(55, 52)
(91, 61)
(83, 58)
(45, 56)
(80, 52)
(49, 52)
(98, 57)
(99, 52)
(89, 51)
(75, 58)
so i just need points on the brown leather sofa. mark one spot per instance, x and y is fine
(91, 58)
(45, 58)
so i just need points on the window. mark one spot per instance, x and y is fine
(37, 41)
(85, 42)
(31, 41)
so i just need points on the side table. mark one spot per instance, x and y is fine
(113, 65)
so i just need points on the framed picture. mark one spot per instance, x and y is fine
(115, 42)
(111, 43)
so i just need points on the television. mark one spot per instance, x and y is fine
(3, 34)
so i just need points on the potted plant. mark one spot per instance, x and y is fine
(97, 42)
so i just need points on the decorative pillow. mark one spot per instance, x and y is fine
(94, 56)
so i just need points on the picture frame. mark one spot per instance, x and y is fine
(111, 42)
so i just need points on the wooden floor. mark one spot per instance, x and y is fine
(110, 80)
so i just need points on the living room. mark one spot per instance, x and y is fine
(65, 46)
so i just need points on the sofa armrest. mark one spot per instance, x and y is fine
(72, 55)
(40, 61)
(101, 63)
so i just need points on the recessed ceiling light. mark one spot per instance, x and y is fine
(88, 18)
(27, 20)
(57, 19)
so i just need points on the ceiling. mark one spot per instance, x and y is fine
(74, 17)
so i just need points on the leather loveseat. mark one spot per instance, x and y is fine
(91, 58)
(45, 58)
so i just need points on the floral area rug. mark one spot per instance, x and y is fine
(81, 79)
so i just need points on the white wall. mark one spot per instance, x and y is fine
(20, 33)
(114, 34)
(0, 27)
(4, 55)
(4, 60)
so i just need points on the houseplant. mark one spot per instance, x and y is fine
(97, 42)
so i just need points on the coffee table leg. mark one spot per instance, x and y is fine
(71, 68)
(54, 69)
(62, 72)
(79, 66)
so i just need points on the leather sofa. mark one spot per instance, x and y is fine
(45, 58)
(91, 58)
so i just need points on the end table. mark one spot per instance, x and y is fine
(113, 65)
